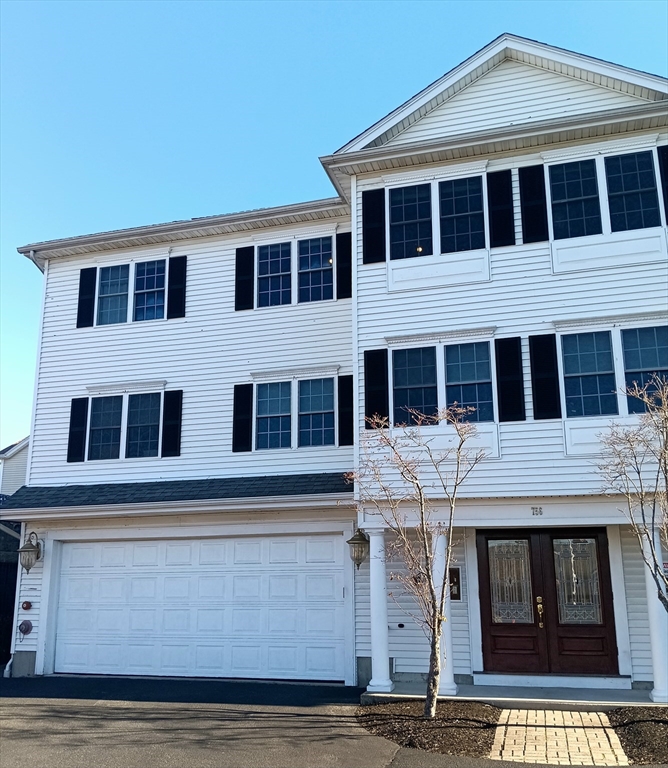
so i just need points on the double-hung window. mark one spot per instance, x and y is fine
(112, 302)
(410, 222)
(645, 356)
(576, 211)
(274, 275)
(143, 430)
(589, 374)
(273, 428)
(468, 379)
(106, 415)
(316, 273)
(414, 384)
(316, 412)
(632, 193)
(462, 217)
(150, 290)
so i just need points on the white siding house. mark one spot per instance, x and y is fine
(498, 241)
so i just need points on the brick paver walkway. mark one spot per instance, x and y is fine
(557, 738)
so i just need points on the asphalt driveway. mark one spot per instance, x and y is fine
(72, 722)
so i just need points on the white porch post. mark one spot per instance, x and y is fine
(380, 645)
(447, 685)
(658, 632)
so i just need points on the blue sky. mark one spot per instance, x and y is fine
(121, 113)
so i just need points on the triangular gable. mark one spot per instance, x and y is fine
(591, 82)
(512, 93)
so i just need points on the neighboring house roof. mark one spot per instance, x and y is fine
(42, 497)
(14, 448)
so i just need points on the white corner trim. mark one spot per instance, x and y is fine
(610, 320)
(610, 147)
(302, 372)
(127, 386)
(447, 172)
(486, 332)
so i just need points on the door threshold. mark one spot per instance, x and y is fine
(518, 680)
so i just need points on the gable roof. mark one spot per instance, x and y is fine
(14, 448)
(631, 83)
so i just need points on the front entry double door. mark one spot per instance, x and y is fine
(546, 602)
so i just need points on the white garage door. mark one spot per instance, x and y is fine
(253, 607)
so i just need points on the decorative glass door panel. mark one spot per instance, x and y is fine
(546, 601)
(577, 581)
(510, 581)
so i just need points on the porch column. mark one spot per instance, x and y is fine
(380, 646)
(447, 685)
(658, 631)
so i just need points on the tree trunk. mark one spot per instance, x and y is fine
(434, 676)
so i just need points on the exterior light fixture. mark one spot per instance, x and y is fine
(359, 547)
(30, 552)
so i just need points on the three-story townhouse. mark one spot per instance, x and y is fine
(499, 242)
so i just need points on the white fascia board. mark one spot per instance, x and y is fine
(505, 135)
(512, 43)
(263, 504)
(15, 449)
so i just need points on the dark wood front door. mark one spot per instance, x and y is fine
(546, 601)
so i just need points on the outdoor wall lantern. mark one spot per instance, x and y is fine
(30, 552)
(359, 547)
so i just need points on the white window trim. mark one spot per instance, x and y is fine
(125, 394)
(132, 264)
(293, 241)
(294, 376)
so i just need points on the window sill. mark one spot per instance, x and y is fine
(439, 270)
(635, 246)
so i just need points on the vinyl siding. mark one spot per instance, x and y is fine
(205, 354)
(512, 94)
(409, 646)
(636, 601)
(14, 472)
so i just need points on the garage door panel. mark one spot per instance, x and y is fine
(268, 607)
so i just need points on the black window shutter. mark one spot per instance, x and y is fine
(510, 379)
(86, 307)
(346, 416)
(176, 288)
(663, 170)
(376, 396)
(171, 422)
(533, 204)
(500, 204)
(244, 279)
(344, 266)
(373, 226)
(544, 377)
(242, 419)
(76, 444)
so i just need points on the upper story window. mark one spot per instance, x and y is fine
(589, 374)
(462, 217)
(645, 355)
(150, 290)
(130, 425)
(273, 428)
(316, 412)
(414, 384)
(159, 291)
(112, 301)
(316, 272)
(575, 206)
(632, 193)
(468, 379)
(274, 275)
(410, 222)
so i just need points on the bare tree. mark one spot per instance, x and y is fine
(635, 464)
(403, 475)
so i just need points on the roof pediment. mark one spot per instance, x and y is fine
(512, 82)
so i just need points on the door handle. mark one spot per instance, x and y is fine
(541, 610)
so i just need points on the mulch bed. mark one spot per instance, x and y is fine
(460, 728)
(643, 732)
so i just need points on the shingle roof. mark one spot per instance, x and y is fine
(177, 490)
